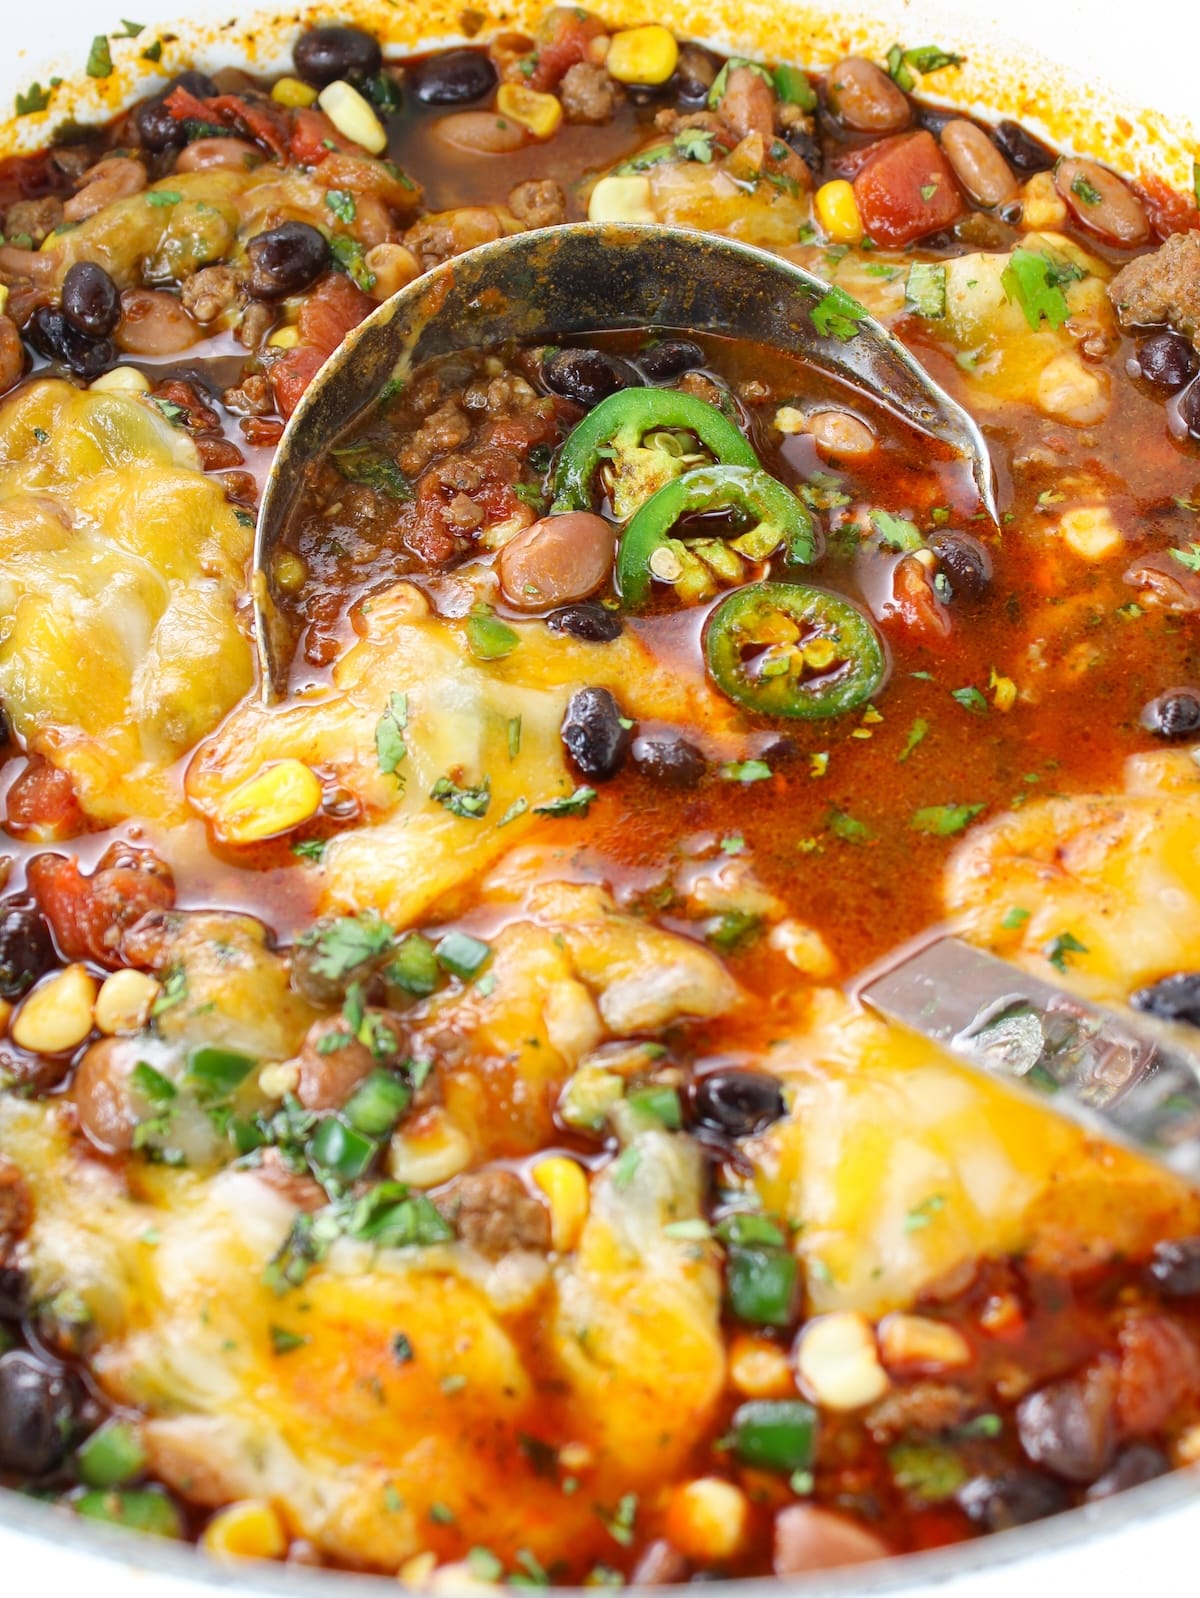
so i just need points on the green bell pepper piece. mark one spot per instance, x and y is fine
(762, 638)
(775, 1434)
(780, 519)
(621, 421)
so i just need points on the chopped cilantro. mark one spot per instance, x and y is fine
(970, 698)
(441, 1515)
(847, 828)
(896, 532)
(734, 843)
(1085, 191)
(575, 804)
(341, 203)
(921, 1215)
(172, 412)
(348, 257)
(470, 803)
(362, 463)
(837, 315)
(154, 1087)
(1189, 557)
(390, 748)
(285, 1342)
(928, 190)
(620, 1523)
(925, 290)
(922, 58)
(310, 849)
(721, 81)
(1034, 281)
(793, 88)
(153, 52)
(174, 991)
(346, 943)
(1014, 918)
(518, 808)
(1057, 950)
(402, 1349)
(129, 30)
(514, 737)
(746, 771)
(943, 821)
(99, 61)
(695, 144)
(916, 733)
(164, 197)
(382, 92)
(928, 1471)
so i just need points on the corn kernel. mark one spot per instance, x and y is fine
(837, 212)
(278, 798)
(284, 338)
(352, 116)
(622, 199)
(57, 1015)
(415, 1572)
(1187, 1447)
(915, 1342)
(290, 572)
(429, 1153)
(293, 93)
(247, 1530)
(838, 1363)
(789, 420)
(3, 298)
(565, 1185)
(707, 1518)
(1004, 692)
(277, 1081)
(125, 1000)
(759, 1369)
(542, 114)
(121, 380)
(642, 55)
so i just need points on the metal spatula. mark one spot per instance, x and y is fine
(1121, 1077)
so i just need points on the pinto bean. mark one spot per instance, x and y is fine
(12, 355)
(840, 436)
(1099, 200)
(557, 560)
(748, 104)
(219, 155)
(114, 179)
(153, 322)
(978, 165)
(332, 1063)
(480, 133)
(865, 98)
(808, 1538)
(105, 1099)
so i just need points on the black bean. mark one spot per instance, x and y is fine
(14, 1293)
(285, 260)
(1012, 1498)
(674, 762)
(595, 734)
(694, 77)
(1175, 1267)
(587, 376)
(668, 358)
(1174, 998)
(588, 621)
(335, 51)
(806, 147)
(455, 77)
(1173, 715)
(37, 1413)
(1168, 360)
(935, 117)
(737, 1103)
(1069, 1426)
(156, 128)
(1189, 409)
(1025, 152)
(1138, 1463)
(26, 948)
(966, 563)
(53, 336)
(90, 299)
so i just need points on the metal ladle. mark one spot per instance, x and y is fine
(586, 278)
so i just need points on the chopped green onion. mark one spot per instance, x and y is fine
(658, 1103)
(140, 1509)
(462, 955)
(413, 968)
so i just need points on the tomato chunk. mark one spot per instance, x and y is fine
(331, 310)
(907, 190)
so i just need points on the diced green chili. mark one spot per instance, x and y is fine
(413, 968)
(775, 1434)
(340, 1150)
(621, 421)
(780, 520)
(462, 955)
(786, 650)
(660, 1103)
(761, 1283)
(139, 1510)
(378, 1103)
(216, 1073)
(110, 1456)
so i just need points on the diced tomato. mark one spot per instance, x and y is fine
(1169, 211)
(1159, 1373)
(327, 315)
(314, 137)
(42, 805)
(562, 41)
(914, 603)
(184, 106)
(907, 190)
(90, 915)
(263, 120)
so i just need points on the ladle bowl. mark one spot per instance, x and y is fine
(587, 278)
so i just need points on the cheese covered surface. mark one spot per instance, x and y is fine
(439, 1135)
